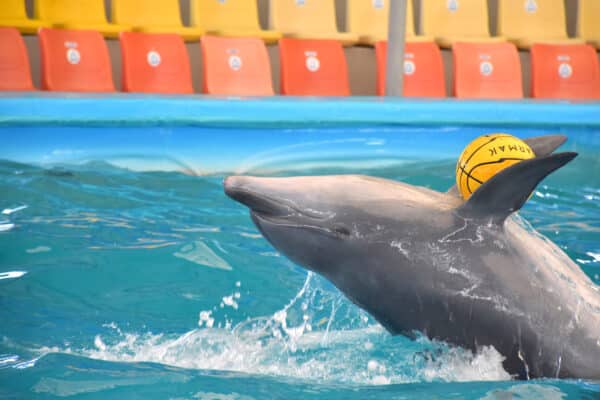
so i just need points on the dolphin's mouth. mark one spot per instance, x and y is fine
(259, 203)
(268, 210)
(265, 205)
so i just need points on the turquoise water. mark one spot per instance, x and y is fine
(121, 283)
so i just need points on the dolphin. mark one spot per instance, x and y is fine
(469, 273)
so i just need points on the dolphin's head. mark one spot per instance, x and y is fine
(318, 221)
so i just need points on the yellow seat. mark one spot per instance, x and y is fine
(232, 18)
(153, 16)
(308, 19)
(451, 21)
(13, 14)
(77, 14)
(588, 22)
(369, 20)
(525, 22)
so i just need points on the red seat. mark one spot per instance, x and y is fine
(75, 61)
(313, 67)
(236, 66)
(155, 63)
(423, 69)
(15, 73)
(564, 71)
(487, 71)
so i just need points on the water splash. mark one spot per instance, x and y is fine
(299, 342)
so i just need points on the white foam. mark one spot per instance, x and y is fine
(298, 341)
(8, 211)
(6, 227)
(12, 274)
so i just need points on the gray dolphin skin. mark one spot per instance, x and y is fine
(467, 273)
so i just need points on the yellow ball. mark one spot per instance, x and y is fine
(486, 156)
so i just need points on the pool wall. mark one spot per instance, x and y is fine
(199, 135)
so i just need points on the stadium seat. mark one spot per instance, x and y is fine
(308, 19)
(74, 61)
(487, 71)
(232, 18)
(155, 63)
(451, 21)
(565, 72)
(153, 16)
(15, 73)
(313, 67)
(368, 19)
(588, 22)
(423, 69)
(525, 22)
(13, 14)
(77, 14)
(236, 66)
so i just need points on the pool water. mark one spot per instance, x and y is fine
(121, 282)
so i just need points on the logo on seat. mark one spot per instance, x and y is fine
(486, 68)
(565, 70)
(452, 5)
(153, 58)
(312, 62)
(378, 4)
(531, 6)
(409, 67)
(235, 62)
(73, 56)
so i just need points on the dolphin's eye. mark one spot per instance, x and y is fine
(341, 230)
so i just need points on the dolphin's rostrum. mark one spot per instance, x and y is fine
(467, 273)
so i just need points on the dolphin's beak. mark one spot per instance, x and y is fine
(250, 192)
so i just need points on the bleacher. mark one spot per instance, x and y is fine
(501, 49)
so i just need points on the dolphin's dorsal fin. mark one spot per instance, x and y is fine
(509, 189)
(541, 146)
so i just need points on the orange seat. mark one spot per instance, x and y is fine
(155, 63)
(423, 69)
(236, 66)
(313, 67)
(15, 73)
(564, 71)
(487, 71)
(74, 61)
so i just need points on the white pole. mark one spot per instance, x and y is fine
(394, 80)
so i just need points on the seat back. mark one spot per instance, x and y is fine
(303, 16)
(15, 73)
(79, 11)
(147, 13)
(534, 19)
(155, 63)
(75, 61)
(423, 69)
(565, 71)
(455, 18)
(313, 67)
(588, 21)
(236, 66)
(487, 71)
(224, 15)
(13, 9)
(370, 17)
